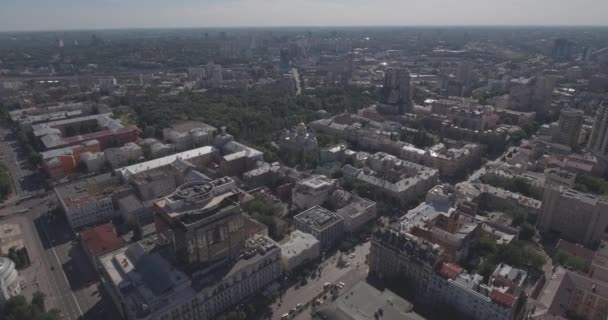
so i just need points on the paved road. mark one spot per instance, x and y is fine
(330, 273)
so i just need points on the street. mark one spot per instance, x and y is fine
(357, 270)
(59, 267)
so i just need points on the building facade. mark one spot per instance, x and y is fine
(574, 215)
(326, 226)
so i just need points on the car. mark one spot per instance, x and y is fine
(285, 316)
(352, 256)
(326, 285)
(342, 283)
(298, 306)
(292, 311)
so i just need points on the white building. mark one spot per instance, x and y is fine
(301, 248)
(118, 157)
(88, 202)
(9, 280)
(312, 192)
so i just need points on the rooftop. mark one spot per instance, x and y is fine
(364, 302)
(298, 242)
(164, 161)
(318, 218)
(101, 239)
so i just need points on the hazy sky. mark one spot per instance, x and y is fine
(93, 14)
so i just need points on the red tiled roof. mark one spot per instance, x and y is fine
(450, 270)
(503, 299)
(101, 239)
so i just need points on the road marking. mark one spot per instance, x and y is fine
(62, 272)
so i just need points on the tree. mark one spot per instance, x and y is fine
(526, 232)
(137, 230)
(17, 308)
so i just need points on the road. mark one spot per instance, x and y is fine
(296, 76)
(59, 267)
(330, 273)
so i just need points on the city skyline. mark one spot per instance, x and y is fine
(30, 15)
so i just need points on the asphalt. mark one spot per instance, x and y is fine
(59, 268)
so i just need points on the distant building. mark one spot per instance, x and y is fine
(397, 93)
(69, 132)
(570, 123)
(364, 302)
(574, 215)
(323, 224)
(9, 280)
(398, 181)
(299, 249)
(598, 141)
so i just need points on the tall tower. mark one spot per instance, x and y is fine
(570, 123)
(598, 142)
(397, 90)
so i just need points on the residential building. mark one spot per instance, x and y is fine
(598, 141)
(198, 157)
(188, 134)
(133, 210)
(69, 132)
(471, 298)
(145, 282)
(301, 248)
(100, 240)
(395, 255)
(396, 94)
(356, 211)
(59, 163)
(437, 222)
(326, 226)
(599, 263)
(571, 295)
(9, 280)
(574, 215)
(90, 201)
(122, 156)
(569, 127)
(312, 192)
(397, 180)
(364, 302)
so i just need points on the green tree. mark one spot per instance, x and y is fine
(526, 232)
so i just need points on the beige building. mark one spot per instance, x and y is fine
(577, 216)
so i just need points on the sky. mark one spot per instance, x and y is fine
(17, 15)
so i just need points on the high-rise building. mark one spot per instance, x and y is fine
(396, 94)
(574, 215)
(598, 142)
(570, 123)
(202, 221)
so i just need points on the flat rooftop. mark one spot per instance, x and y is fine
(165, 161)
(318, 217)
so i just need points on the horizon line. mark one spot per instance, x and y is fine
(313, 26)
